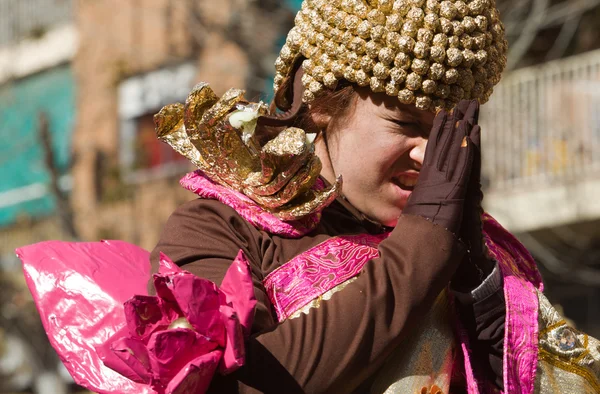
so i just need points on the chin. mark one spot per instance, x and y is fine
(390, 218)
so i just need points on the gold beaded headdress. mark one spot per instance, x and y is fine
(429, 53)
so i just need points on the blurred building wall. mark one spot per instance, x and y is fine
(134, 58)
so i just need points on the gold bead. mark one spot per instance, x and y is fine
(406, 96)
(367, 63)
(466, 41)
(465, 79)
(457, 28)
(308, 96)
(406, 44)
(410, 29)
(378, 33)
(456, 93)
(362, 79)
(386, 56)
(477, 90)
(364, 29)
(376, 17)
(350, 74)
(377, 85)
(476, 7)
(423, 103)
(308, 65)
(398, 75)
(352, 23)
(454, 42)
(361, 10)
(353, 60)
(401, 7)
(448, 10)
(339, 19)
(425, 36)
(431, 22)
(347, 5)
(420, 66)
(461, 8)
(429, 86)
(468, 58)
(440, 40)
(381, 71)
(438, 54)
(481, 57)
(392, 40)
(421, 50)
(402, 60)
(433, 6)
(469, 24)
(330, 80)
(391, 89)
(373, 49)
(394, 22)
(414, 81)
(386, 6)
(446, 26)
(436, 71)
(416, 15)
(481, 22)
(357, 45)
(318, 73)
(451, 76)
(280, 65)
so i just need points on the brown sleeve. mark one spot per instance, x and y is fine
(340, 344)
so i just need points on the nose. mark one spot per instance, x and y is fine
(417, 152)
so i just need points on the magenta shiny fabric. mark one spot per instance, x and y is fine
(201, 185)
(318, 270)
(79, 290)
(112, 342)
(522, 280)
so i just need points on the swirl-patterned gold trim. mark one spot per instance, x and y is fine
(430, 53)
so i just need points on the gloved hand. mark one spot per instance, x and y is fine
(477, 264)
(440, 192)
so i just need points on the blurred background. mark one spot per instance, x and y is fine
(81, 79)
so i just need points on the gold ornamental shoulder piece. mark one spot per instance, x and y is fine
(219, 136)
(430, 53)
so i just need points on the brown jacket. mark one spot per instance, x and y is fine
(338, 346)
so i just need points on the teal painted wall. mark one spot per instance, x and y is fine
(21, 158)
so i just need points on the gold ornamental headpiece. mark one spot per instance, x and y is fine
(429, 53)
(220, 136)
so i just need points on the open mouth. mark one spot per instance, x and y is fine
(405, 182)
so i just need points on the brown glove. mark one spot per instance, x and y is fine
(439, 195)
(477, 264)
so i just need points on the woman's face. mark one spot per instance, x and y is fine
(378, 148)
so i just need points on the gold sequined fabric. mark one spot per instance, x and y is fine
(424, 359)
(568, 360)
(219, 135)
(429, 53)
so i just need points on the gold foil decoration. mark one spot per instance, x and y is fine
(415, 35)
(220, 137)
(568, 360)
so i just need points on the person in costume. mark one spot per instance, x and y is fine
(351, 212)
